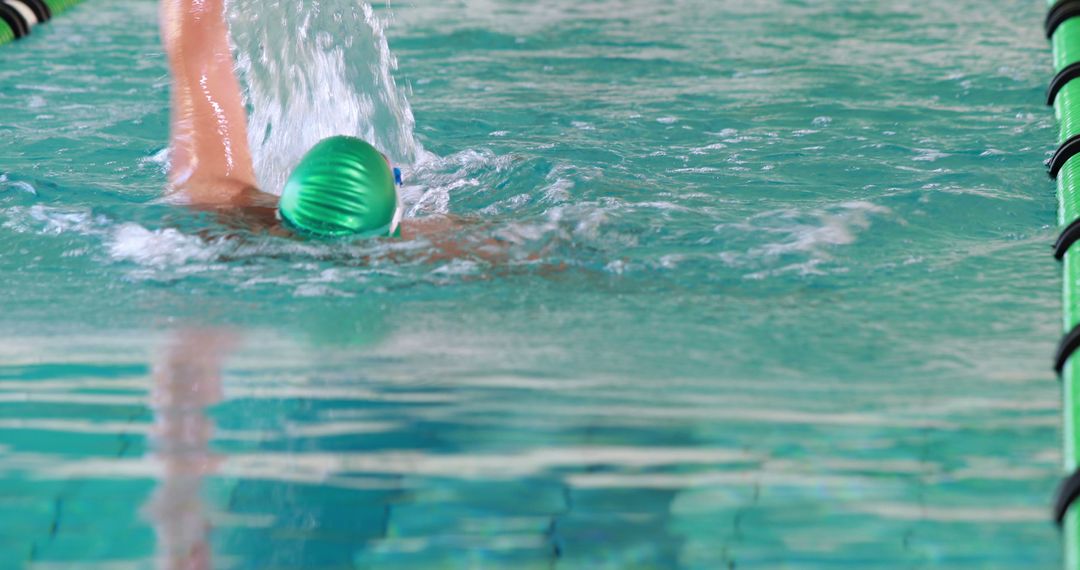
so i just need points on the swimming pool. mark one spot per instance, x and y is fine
(794, 305)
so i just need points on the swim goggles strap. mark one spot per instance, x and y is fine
(399, 210)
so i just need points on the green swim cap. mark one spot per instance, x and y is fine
(343, 186)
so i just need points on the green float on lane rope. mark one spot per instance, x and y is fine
(19, 17)
(58, 6)
(6, 34)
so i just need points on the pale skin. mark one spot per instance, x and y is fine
(211, 161)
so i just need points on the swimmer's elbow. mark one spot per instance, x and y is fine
(214, 191)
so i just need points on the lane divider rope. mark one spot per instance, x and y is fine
(19, 17)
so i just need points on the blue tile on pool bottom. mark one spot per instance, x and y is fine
(524, 552)
(438, 520)
(304, 525)
(524, 496)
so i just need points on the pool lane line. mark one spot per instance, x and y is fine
(19, 17)
(1063, 29)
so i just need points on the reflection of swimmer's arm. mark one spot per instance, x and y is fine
(186, 381)
(210, 161)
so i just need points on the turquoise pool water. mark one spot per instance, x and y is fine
(791, 303)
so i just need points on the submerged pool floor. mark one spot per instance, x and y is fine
(778, 295)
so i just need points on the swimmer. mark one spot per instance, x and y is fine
(342, 187)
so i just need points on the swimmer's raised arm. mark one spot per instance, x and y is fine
(211, 162)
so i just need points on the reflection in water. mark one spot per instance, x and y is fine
(332, 457)
(187, 380)
(384, 490)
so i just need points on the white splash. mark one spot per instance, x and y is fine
(158, 248)
(314, 69)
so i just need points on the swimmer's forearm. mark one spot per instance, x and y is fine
(211, 162)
